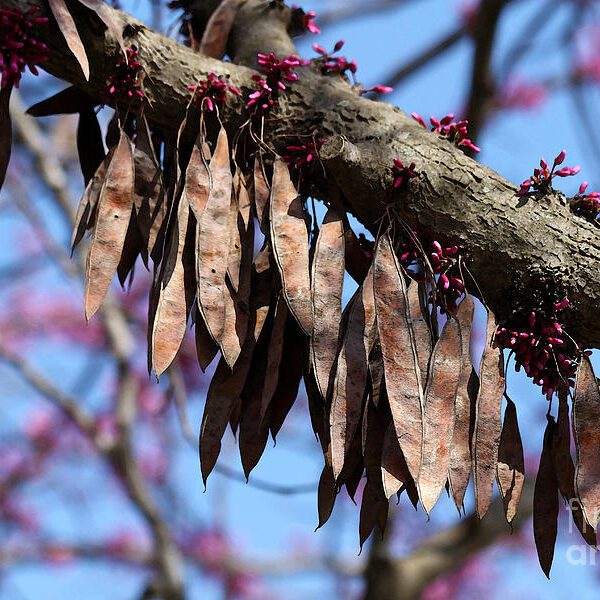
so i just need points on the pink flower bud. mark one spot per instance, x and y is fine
(419, 119)
(383, 89)
(339, 45)
(560, 158)
(561, 305)
(568, 171)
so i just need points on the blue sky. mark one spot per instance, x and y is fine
(266, 526)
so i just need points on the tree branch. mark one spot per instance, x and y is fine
(515, 249)
(415, 64)
(443, 552)
(482, 81)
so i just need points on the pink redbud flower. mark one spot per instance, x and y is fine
(309, 22)
(212, 91)
(379, 89)
(456, 132)
(402, 174)
(560, 158)
(19, 47)
(567, 171)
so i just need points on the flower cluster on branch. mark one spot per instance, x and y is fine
(19, 47)
(276, 73)
(456, 132)
(212, 91)
(541, 180)
(303, 155)
(541, 347)
(124, 81)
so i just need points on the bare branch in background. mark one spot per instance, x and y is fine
(483, 85)
(406, 578)
(348, 11)
(424, 58)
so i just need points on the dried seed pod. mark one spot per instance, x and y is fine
(243, 197)
(565, 469)
(223, 394)
(351, 373)
(488, 420)
(213, 241)
(90, 147)
(198, 177)
(206, 348)
(545, 503)
(275, 355)
(511, 462)
(260, 192)
(401, 367)
(290, 245)
(89, 201)
(586, 416)
(113, 24)
(216, 33)
(460, 450)
(326, 292)
(416, 292)
(357, 260)
(374, 505)
(114, 211)
(438, 414)
(172, 309)
(326, 495)
(67, 26)
(150, 204)
(253, 431)
(394, 470)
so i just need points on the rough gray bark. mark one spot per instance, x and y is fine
(516, 250)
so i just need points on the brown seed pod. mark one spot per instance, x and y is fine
(401, 367)
(114, 211)
(290, 245)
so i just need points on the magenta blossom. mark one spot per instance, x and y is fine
(124, 83)
(541, 180)
(450, 286)
(309, 22)
(586, 205)
(454, 131)
(402, 174)
(263, 98)
(301, 156)
(19, 47)
(212, 91)
(307, 19)
(408, 251)
(277, 72)
(334, 64)
(378, 89)
(541, 348)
